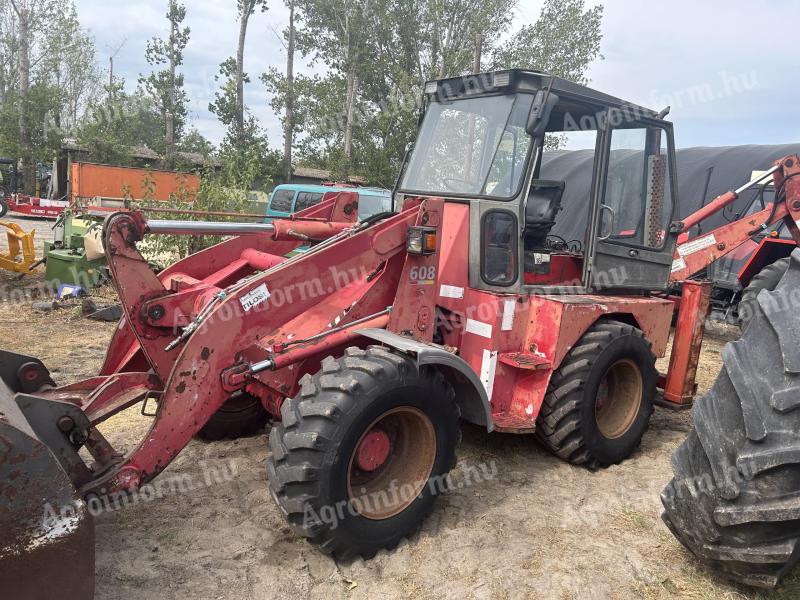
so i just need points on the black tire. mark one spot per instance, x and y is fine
(3, 207)
(240, 416)
(734, 500)
(569, 424)
(766, 279)
(314, 446)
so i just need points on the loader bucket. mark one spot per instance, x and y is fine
(46, 530)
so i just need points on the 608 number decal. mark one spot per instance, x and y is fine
(423, 274)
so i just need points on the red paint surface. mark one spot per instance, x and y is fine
(373, 450)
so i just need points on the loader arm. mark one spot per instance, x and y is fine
(201, 335)
(692, 256)
(220, 266)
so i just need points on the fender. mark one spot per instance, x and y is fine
(470, 394)
(768, 251)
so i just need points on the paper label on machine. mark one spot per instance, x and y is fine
(255, 297)
(696, 245)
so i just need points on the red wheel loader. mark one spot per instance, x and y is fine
(368, 349)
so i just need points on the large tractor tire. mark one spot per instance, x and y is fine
(600, 399)
(363, 450)
(3, 206)
(240, 416)
(766, 279)
(734, 500)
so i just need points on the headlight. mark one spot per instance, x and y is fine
(421, 240)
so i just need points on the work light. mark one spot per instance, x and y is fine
(421, 240)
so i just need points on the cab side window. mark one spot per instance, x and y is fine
(499, 247)
(637, 205)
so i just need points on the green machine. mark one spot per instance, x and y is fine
(66, 255)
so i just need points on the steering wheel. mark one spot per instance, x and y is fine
(453, 184)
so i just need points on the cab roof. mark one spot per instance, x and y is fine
(516, 80)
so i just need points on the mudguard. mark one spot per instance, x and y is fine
(470, 394)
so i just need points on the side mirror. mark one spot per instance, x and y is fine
(543, 105)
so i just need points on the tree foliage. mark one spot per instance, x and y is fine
(355, 113)
(564, 41)
(165, 85)
(389, 48)
(116, 123)
(48, 74)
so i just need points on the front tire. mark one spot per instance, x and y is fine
(599, 401)
(240, 416)
(3, 207)
(734, 500)
(766, 279)
(362, 451)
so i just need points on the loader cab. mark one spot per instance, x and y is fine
(481, 141)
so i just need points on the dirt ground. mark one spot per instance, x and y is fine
(528, 526)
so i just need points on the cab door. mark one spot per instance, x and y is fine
(635, 198)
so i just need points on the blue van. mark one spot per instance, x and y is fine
(289, 198)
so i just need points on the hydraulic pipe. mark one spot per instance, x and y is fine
(207, 227)
(722, 201)
(332, 337)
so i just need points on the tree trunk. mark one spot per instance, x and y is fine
(445, 48)
(3, 83)
(169, 116)
(245, 18)
(350, 103)
(476, 68)
(476, 64)
(24, 65)
(288, 126)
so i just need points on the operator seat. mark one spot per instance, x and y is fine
(544, 202)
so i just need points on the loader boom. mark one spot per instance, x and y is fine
(189, 343)
(692, 256)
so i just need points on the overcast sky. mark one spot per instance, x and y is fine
(728, 68)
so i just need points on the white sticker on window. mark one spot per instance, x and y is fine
(678, 265)
(255, 297)
(451, 291)
(479, 328)
(697, 245)
(509, 307)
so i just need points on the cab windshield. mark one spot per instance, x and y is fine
(471, 147)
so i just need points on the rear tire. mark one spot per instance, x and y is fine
(734, 500)
(600, 399)
(316, 476)
(240, 416)
(766, 279)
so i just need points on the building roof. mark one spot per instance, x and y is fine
(323, 175)
(145, 153)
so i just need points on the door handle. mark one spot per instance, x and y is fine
(603, 207)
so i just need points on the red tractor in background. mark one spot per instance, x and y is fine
(367, 349)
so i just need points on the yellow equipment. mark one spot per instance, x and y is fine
(19, 243)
